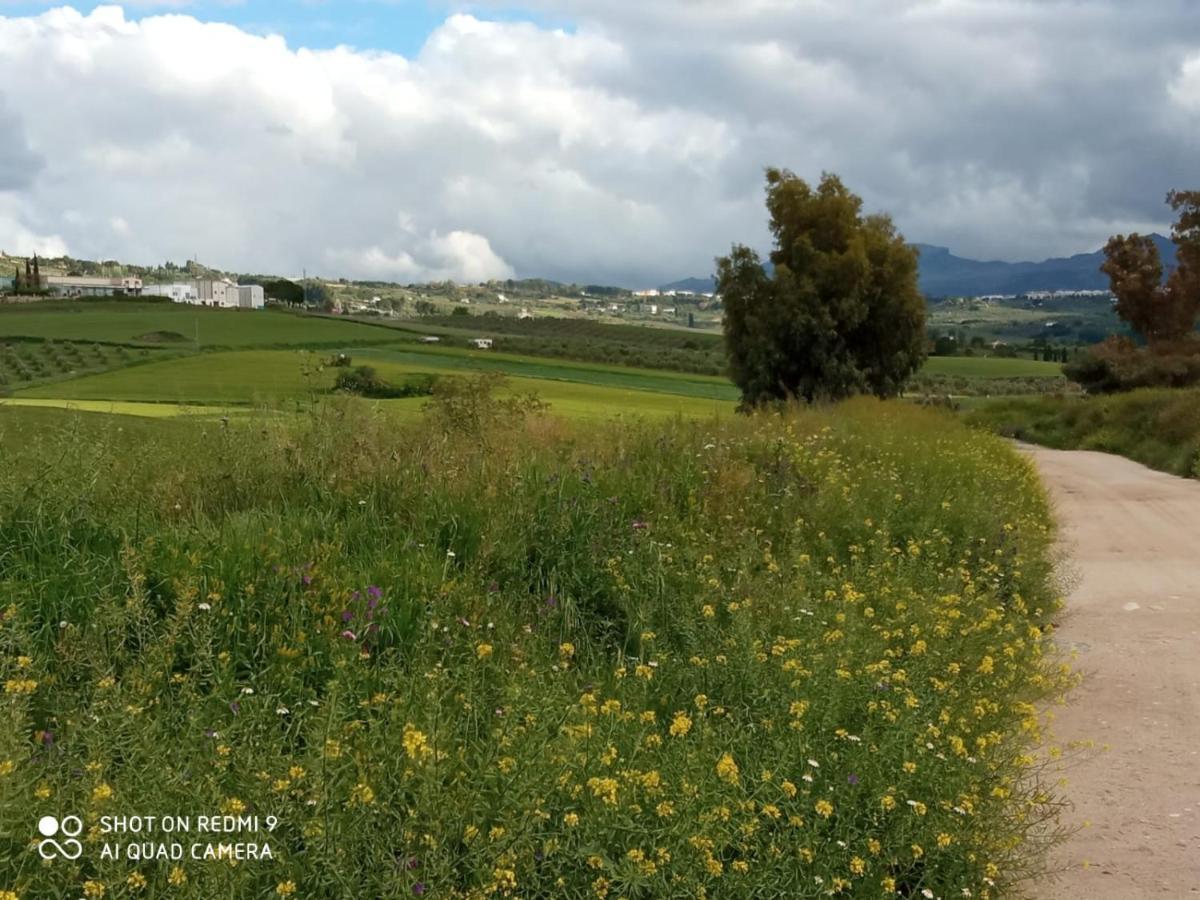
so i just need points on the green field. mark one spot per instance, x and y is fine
(990, 367)
(127, 322)
(121, 352)
(267, 377)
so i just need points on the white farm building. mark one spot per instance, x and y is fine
(221, 293)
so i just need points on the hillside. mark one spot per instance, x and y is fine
(945, 275)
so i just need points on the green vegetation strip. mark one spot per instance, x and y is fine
(266, 377)
(767, 657)
(139, 322)
(531, 367)
(1159, 428)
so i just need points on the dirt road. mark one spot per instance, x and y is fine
(1133, 614)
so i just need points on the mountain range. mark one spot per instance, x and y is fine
(945, 275)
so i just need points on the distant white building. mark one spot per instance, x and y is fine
(524, 314)
(221, 293)
(181, 292)
(88, 286)
(482, 343)
(430, 339)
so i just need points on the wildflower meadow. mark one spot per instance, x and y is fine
(790, 655)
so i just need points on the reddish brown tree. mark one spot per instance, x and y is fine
(1159, 313)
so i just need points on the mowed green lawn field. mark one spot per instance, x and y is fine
(270, 376)
(127, 322)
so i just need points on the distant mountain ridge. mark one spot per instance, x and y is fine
(945, 275)
(692, 285)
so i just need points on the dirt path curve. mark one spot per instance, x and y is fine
(1133, 536)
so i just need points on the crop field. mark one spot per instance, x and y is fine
(990, 367)
(774, 656)
(678, 349)
(175, 325)
(266, 377)
(25, 363)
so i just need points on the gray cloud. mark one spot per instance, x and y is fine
(18, 163)
(627, 149)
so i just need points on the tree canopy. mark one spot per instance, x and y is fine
(840, 312)
(1159, 312)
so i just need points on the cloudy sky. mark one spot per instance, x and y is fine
(620, 141)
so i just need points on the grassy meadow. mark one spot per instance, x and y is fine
(516, 655)
(1157, 427)
(145, 323)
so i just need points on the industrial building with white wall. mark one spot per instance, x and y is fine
(221, 293)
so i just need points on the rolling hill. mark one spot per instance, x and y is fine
(945, 275)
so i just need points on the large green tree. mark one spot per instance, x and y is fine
(840, 313)
(1159, 312)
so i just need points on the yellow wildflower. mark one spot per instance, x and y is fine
(681, 724)
(727, 769)
(416, 745)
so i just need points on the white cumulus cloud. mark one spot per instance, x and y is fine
(626, 149)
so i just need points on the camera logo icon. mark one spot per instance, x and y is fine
(70, 827)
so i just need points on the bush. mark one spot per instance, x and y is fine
(364, 381)
(1120, 365)
(469, 405)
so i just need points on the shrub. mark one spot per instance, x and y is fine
(1119, 365)
(364, 381)
(469, 405)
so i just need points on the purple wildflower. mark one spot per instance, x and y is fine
(347, 615)
(852, 778)
(419, 888)
(235, 707)
(374, 592)
(552, 601)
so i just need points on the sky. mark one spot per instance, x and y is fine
(612, 141)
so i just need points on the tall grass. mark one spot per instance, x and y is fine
(1157, 427)
(783, 656)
